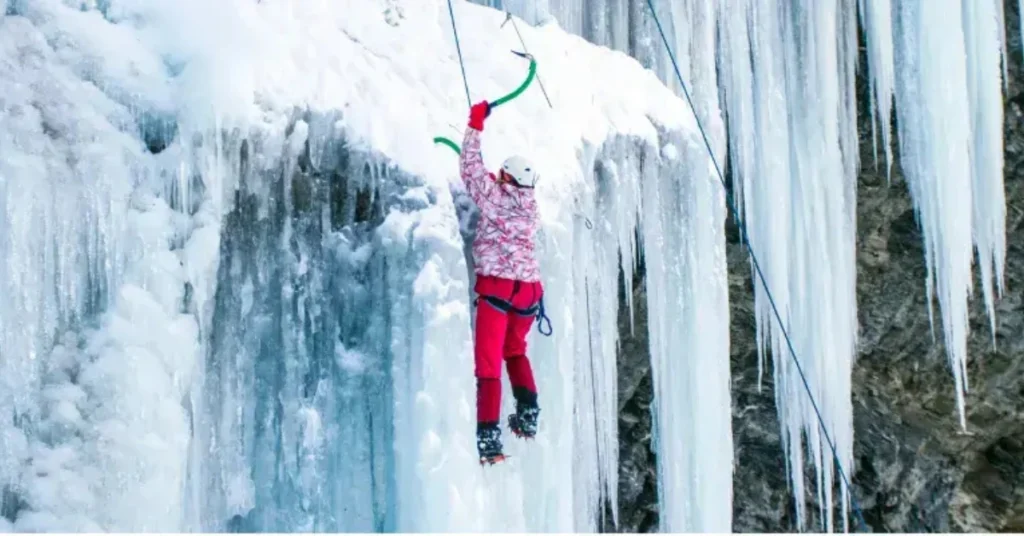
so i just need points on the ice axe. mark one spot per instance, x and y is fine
(498, 102)
(508, 18)
(526, 83)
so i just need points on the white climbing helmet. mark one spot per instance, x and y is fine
(521, 170)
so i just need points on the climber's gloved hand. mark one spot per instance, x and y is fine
(478, 113)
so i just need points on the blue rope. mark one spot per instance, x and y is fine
(458, 47)
(541, 318)
(757, 267)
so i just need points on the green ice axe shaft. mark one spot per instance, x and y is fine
(449, 143)
(522, 87)
(515, 93)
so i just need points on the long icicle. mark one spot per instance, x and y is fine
(789, 344)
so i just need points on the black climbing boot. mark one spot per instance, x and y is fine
(488, 443)
(523, 422)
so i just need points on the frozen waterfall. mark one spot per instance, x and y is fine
(235, 288)
(265, 321)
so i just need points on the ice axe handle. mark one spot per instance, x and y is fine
(518, 91)
(522, 87)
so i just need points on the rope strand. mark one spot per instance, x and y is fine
(508, 18)
(458, 47)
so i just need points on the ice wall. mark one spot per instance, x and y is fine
(95, 352)
(265, 322)
(326, 318)
(605, 22)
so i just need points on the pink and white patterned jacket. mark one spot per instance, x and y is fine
(503, 246)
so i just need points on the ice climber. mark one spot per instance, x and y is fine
(508, 286)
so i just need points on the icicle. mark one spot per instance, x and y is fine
(983, 42)
(605, 253)
(849, 141)
(795, 157)
(1001, 24)
(876, 16)
(822, 271)
(688, 309)
(1020, 19)
(683, 233)
(740, 93)
(935, 153)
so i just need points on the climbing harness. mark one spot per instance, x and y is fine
(506, 307)
(515, 93)
(757, 268)
(538, 309)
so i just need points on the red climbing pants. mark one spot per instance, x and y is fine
(501, 335)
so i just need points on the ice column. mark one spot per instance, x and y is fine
(792, 133)
(936, 152)
(876, 16)
(982, 39)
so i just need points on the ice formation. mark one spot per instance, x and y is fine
(800, 225)
(787, 77)
(268, 310)
(687, 300)
(953, 159)
(876, 18)
(232, 255)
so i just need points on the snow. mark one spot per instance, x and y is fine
(61, 254)
(113, 395)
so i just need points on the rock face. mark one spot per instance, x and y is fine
(915, 471)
